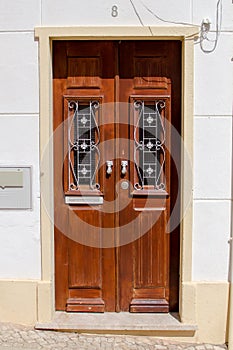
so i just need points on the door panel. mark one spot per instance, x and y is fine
(85, 276)
(149, 73)
(138, 273)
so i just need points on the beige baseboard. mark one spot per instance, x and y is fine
(204, 304)
(18, 301)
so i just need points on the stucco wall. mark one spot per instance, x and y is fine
(19, 134)
(19, 113)
(212, 158)
(20, 256)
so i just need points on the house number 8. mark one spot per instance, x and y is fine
(114, 11)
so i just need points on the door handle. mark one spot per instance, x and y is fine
(109, 164)
(124, 164)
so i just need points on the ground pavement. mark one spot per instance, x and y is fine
(17, 337)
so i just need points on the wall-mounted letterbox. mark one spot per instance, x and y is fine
(15, 187)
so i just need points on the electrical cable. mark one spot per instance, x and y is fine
(164, 20)
(204, 29)
(136, 12)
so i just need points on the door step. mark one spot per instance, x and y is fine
(123, 322)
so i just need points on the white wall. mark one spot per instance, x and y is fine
(19, 134)
(213, 155)
(93, 12)
(19, 120)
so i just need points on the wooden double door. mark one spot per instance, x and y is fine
(115, 183)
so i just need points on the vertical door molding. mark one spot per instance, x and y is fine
(45, 35)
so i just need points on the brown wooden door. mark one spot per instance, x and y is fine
(114, 101)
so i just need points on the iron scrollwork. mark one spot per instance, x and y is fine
(149, 145)
(83, 141)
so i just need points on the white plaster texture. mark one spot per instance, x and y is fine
(212, 157)
(19, 143)
(19, 73)
(100, 13)
(20, 244)
(20, 229)
(211, 232)
(207, 9)
(89, 12)
(157, 13)
(19, 15)
(213, 78)
(20, 95)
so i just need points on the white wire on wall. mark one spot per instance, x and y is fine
(136, 12)
(204, 27)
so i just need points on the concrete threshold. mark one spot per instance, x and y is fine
(120, 323)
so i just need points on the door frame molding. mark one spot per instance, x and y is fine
(46, 35)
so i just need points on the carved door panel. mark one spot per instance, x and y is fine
(148, 82)
(113, 105)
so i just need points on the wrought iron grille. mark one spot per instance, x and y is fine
(83, 152)
(149, 142)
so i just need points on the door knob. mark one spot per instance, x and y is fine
(109, 164)
(124, 164)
